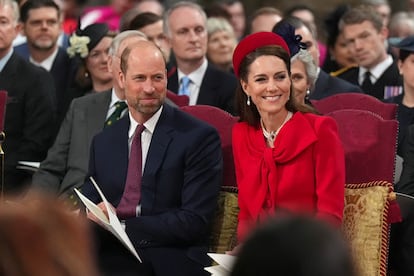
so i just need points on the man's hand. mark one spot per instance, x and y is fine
(101, 206)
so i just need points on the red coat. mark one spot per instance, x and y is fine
(304, 172)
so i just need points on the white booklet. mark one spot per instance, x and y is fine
(28, 165)
(112, 223)
(225, 264)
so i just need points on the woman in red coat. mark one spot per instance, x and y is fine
(287, 158)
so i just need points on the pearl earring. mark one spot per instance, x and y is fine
(248, 100)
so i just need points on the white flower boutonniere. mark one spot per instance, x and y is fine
(78, 45)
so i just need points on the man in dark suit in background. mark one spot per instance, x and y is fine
(325, 85)
(188, 38)
(181, 171)
(42, 25)
(377, 73)
(29, 112)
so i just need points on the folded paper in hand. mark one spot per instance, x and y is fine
(225, 264)
(111, 223)
(28, 166)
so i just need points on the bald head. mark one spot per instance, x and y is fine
(140, 50)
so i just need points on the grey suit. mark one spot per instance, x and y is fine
(66, 164)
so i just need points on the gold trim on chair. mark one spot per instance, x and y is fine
(366, 227)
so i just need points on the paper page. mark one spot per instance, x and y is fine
(225, 260)
(92, 207)
(112, 224)
(29, 164)
(217, 270)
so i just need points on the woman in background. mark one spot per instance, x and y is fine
(338, 58)
(221, 43)
(287, 159)
(90, 47)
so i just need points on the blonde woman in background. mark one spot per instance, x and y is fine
(221, 43)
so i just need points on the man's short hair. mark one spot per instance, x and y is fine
(360, 14)
(36, 4)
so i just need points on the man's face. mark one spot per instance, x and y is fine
(237, 18)
(114, 62)
(145, 81)
(8, 29)
(42, 28)
(366, 43)
(155, 33)
(310, 42)
(188, 37)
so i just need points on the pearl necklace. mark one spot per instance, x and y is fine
(271, 136)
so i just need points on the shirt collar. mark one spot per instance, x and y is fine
(114, 98)
(376, 71)
(5, 59)
(46, 63)
(149, 124)
(197, 75)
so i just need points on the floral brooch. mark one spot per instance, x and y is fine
(78, 45)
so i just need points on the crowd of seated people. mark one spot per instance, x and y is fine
(66, 68)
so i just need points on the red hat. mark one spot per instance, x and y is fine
(252, 42)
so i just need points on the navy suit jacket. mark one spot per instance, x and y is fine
(327, 85)
(390, 77)
(63, 73)
(180, 185)
(29, 116)
(217, 88)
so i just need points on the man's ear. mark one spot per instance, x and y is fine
(121, 80)
(20, 28)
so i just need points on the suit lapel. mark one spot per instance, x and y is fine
(172, 84)
(160, 141)
(207, 85)
(7, 75)
(96, 113)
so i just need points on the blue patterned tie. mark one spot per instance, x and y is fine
(184, 88)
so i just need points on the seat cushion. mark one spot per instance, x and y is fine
(366, 227)
(224, 233)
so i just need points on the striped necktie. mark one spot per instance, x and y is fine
(116, 115)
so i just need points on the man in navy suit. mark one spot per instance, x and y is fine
(181, 176)
(42, 25)
(29, 113)
(188, 38)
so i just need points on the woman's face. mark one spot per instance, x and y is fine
(268, 84)
(220, 47)
(407, 70)
(341, 52)
(97, 61)
(300, 81)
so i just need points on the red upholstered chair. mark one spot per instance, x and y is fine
(3, 101)
(369, 142)
(370, 145)
(387, 111)
(179, 100)
(223, 236)
(223, 122)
